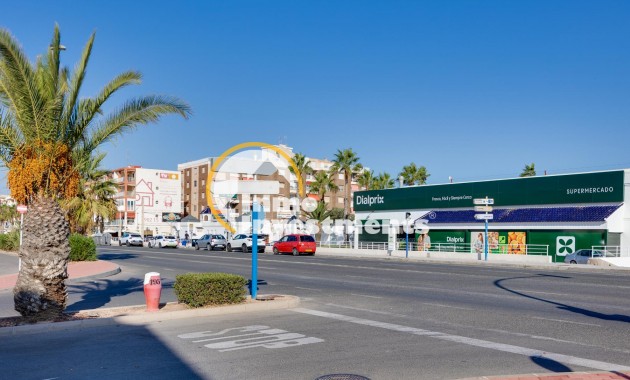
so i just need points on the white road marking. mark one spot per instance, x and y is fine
(316, 290)
(254, 336)
(565, 359)
(565, 321)
(363, 295)
(367, 310)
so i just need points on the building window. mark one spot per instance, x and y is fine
(203, 169)
(131, 205)
(340, 176)
(339, 200)
(195, 208)
(195, 183)
(203, 195)
(327, 199)
(203, 182)
(187, 185)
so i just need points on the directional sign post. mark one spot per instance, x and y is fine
(258, 214)
(484, 206)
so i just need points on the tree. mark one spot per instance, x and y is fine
(365, 179)
(94, 201)
(528, 171)
(47, 135)
(413, 175)
(8, 215)
(383, 181)
(324, 183)
(320, 214)
(346, 162)
(304, 167)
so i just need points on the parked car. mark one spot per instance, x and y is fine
(130, 238)
(581, 256)
(150, 240)
(295, 244)
(244, 243)
(210, 242)
(162, 241)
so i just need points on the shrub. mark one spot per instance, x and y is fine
(10, 241)
(82, 248)
(203, 289)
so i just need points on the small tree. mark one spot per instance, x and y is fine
(528, 171)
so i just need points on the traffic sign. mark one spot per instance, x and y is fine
(483, 208)
(483, 201)
(484, 216)
(22, 209)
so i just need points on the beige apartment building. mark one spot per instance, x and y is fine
(194, 177)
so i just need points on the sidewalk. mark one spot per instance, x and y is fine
(560, 376)
(80, 269)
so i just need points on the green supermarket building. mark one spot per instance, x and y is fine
(552, 215)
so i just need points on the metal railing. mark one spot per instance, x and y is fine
(611, 250)
(523, 249)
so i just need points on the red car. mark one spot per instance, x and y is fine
(295, 244)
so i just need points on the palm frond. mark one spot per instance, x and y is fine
(138, 111)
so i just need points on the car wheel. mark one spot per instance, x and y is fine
(275, 251)
(244, 247)
(209, 247)
(128, 244)
(197, 247)
(119, 243)
(160, 245)
(573, 262)
(228, 248)
(295, 252)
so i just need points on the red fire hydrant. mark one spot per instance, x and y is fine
(152, 290)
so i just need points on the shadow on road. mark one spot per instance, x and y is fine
(117, 256)
(109, 352)
(550, 364)
(573, 309)
(100, 293)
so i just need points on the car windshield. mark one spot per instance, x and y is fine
(218, 237)
(136, 235)
(307, 239)
(170, 237)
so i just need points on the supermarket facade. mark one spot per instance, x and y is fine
(556, 214)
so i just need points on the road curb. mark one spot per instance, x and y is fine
(278, 303)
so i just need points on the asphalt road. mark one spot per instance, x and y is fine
(382, 319)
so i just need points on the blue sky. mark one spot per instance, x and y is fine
(470, 89)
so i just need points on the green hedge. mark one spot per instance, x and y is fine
(203, 289)
(10, 241)
(82, 248)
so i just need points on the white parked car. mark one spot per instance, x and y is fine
(162, 241)
(244, 243)
(130, 238)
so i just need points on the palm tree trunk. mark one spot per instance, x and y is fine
(40, 291)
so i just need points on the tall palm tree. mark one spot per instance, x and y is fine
(528, 171)
(304, 167)
(320, 214)
(346, 162)
(383, 181)
(94, 201)
(47, 134)
(365, 179)
(324, 183)
(414, 175)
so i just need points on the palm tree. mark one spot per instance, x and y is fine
(320, 214)
(365, 179)
(324, 183)
(413, 175)
(528, 171)
(94, 202)
(383, 181)
(47, 134)
(304, 167)
(346, 162)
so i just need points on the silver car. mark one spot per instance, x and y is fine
(210, 242)
(581, 256)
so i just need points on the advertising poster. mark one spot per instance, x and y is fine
(516, 243)
(477, 241)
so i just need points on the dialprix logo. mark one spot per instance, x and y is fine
(565, 245)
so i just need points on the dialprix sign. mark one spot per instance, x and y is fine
(601, 187)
